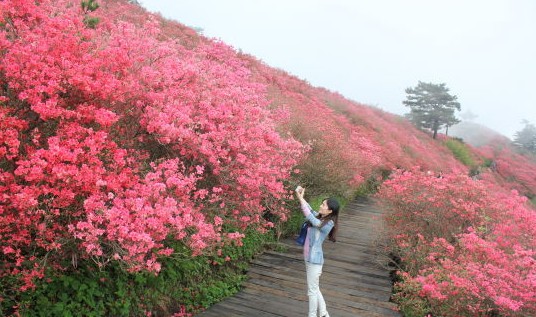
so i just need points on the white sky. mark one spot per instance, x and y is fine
(370, 51)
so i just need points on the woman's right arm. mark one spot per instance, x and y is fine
(305, 207)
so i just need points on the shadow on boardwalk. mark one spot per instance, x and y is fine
(353, 282)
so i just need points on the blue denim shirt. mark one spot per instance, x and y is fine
(315, 236)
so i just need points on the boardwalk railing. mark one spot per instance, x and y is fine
(353, 281)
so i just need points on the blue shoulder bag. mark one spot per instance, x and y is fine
(300, 240)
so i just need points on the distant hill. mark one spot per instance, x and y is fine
(476, 134)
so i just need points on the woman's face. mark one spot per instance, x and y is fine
(323, 210)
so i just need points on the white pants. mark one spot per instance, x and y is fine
(316, 300)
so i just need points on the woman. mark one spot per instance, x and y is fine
(322, 224)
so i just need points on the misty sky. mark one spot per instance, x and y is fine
(370, 51)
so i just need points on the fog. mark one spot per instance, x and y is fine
(371, 51)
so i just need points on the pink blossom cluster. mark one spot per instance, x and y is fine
(468, 243)
(118, 140)
(509, 168)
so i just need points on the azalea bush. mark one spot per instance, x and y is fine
(117, 141)
(510, 169)
(333, 164)
(466, 247)
(185, 285)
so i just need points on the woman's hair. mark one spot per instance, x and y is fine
(334, 206)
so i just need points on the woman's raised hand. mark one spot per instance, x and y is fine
(300, 191)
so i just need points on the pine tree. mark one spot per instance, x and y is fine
(432, 107)
(525, 139)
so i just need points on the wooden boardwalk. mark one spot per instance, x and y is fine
(353, 282)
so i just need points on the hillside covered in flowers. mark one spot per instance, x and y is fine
(130, 145)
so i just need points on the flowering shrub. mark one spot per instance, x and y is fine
(117, 140)
(510, 169)
(468, 244)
